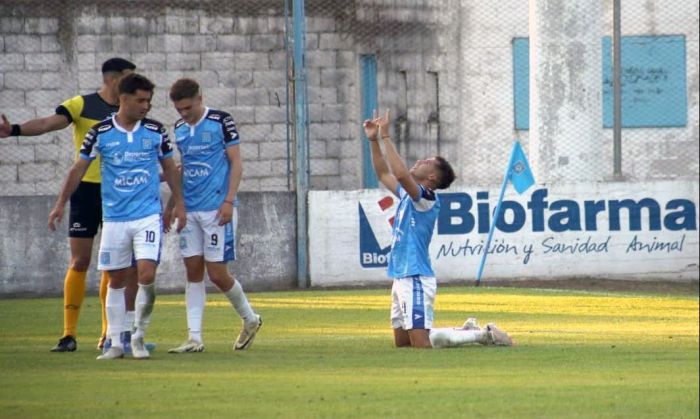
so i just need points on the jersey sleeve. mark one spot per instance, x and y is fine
(426, 200)
(71, 108)
(166, 147)
(228, 125)
(89, 147)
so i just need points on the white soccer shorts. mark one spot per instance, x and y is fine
(204, 236)
(412, 302)
(123, 240)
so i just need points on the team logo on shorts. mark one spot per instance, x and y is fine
(376, 219)
(104, 258)
(183, 243)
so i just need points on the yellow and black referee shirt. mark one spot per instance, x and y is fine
(83, 112)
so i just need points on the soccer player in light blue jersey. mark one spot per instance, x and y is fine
(208, 143)
(414, 287)
(131, 147)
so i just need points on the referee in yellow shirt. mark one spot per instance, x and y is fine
(83, 112)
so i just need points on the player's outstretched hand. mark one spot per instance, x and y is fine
(371, 128)
(5, 127)
(383, 124)
(55, 216)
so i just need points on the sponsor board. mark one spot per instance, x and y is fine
(643, 230)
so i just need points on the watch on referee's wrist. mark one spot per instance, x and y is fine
(228, 202)
(16, 130)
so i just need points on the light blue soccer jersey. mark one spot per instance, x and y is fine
(205, 166)
(129, 166)
(412, 231)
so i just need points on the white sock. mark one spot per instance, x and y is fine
(129, 321)
(450, 337)
(145, 298)
(195, 298)
(116, 312)
(239, 302)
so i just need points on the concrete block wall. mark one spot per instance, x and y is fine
(238, 58)
(33, 260)
(238, 55)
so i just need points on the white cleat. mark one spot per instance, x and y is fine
(112, 353)
(190, 346)
(497, 337)
(138, 349)
(471, 324)
(247, 335)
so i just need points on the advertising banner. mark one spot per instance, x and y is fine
(643, 230)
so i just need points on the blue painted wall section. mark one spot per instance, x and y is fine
(654, 82)
(368, 68)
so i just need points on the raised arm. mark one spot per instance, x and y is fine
(33, 127)
(396, 163)
(378, 163)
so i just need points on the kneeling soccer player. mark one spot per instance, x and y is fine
(413, 291)
(208, 143)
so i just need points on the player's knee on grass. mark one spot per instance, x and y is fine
(401, 339)
(420, 338)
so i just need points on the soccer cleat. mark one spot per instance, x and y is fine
(497, 337)
(112, 353)
(138, 348)
(190, 346)
(471, 324)
(247, 335)
(101, 342)
(150, 346)
(65, 344)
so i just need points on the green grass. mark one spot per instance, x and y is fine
(330, 354)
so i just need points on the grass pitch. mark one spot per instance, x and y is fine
(330, 354)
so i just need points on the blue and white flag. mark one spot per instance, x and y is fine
(520, 175)
(519, 172)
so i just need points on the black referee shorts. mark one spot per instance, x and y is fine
(85, 211)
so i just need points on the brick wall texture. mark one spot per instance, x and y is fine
(239, 51)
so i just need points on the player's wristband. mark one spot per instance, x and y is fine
(16, 130)
(229, 202)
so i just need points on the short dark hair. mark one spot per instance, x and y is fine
(130, 83)
(117, 65)
(447, 174)
(184, 88)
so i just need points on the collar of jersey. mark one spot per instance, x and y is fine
(204, 116)
(122, 129)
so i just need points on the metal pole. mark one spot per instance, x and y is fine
(617, 93)
(286, 93)
(301, 129)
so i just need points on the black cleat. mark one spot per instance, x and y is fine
(65, 344)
